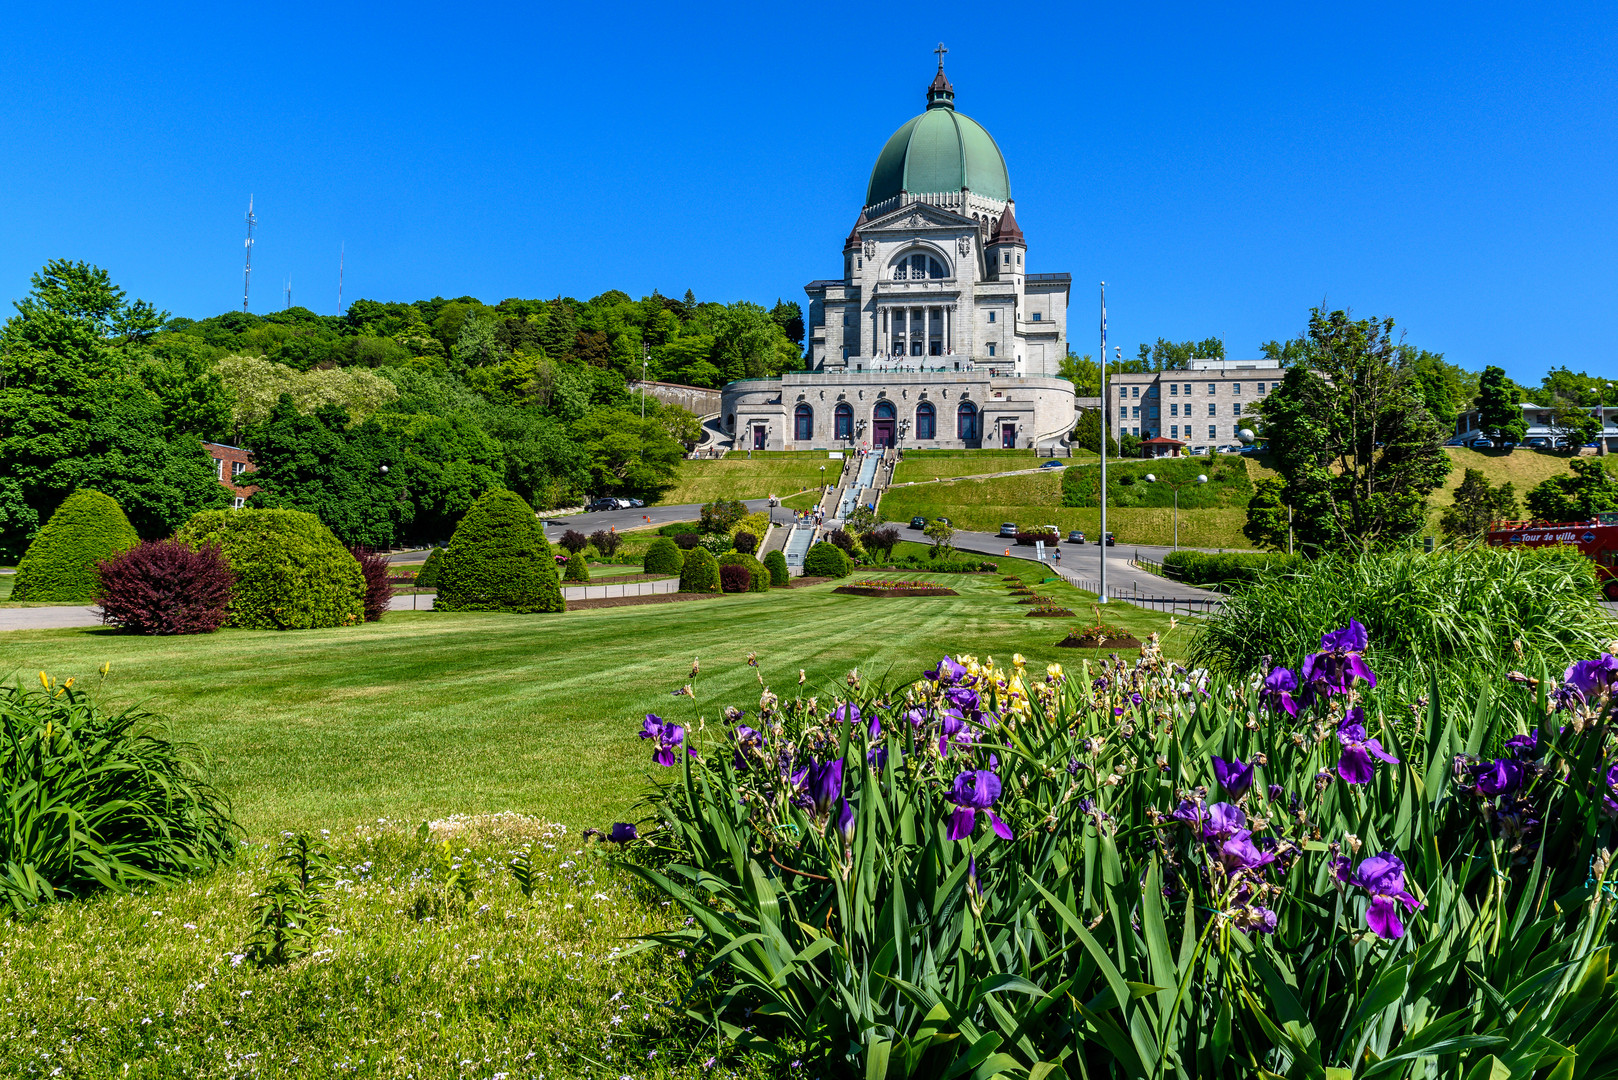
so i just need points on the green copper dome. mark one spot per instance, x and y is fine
(938, 151)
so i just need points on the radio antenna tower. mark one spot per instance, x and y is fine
(289, 293)
(247, 271)
(340, 250)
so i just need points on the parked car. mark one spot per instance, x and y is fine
(1482, 444)
(1111, 541)
(603, 504)
(1075, 537)
(1052, 531)
(1508, 445)
(1456, 442)
(1051, 464)
(945, 520)
(1008, 529)
(637, 502)
(918, 522)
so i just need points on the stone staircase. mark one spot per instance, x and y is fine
(797, 546)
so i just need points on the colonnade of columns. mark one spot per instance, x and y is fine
(898, 326)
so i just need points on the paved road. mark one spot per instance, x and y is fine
(636, 518)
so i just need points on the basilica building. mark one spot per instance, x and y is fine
(936, 335)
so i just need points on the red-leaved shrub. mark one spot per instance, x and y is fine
(378, 589)
(734, 578)
(165, 587)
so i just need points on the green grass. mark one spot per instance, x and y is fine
(422, 715)
(1035, 499)
(6, 583)
(602, 571)
(737, 476)
(919, 465)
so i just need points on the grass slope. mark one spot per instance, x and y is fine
(736, 476)
(422, 715)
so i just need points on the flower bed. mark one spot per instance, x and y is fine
(894, 588)
(1136, 870)
(1099, 636)
(1050, 611)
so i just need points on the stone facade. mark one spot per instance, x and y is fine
(936, 334)
(1203, 407)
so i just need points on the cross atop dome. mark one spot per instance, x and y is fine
(941, 95)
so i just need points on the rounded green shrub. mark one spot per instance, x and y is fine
(291, 572)
(734, 578)
(776, 563)
(60, 564)
(428, 577)
(577, 568)
(827, 560)
(499, 560)
(663, 557)
(758, 575)
(700, 572)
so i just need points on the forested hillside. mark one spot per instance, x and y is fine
(387, 420)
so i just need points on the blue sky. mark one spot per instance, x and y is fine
(1454, 166)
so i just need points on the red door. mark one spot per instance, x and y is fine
(758, 438)
(1008, 436)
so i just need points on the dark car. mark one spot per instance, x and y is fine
(918, 522)
(1112, 541)
(1008, 529)
(603, 504)
(1075, 537)
(1051, 464)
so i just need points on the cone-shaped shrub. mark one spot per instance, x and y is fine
(498, 560)
(776, 563)
(577, 568)
(733, 577)
(378, 589)
(428, 577)
(758, 577)
(700, 573)
(60, 565)
(826, 560)
(165, 587)
(663, 557)
(291, 572)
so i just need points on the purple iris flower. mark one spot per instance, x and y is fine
(1383, 876)
(799, 782)
(948, 672)
(974, 790)
(877, 757)
(951, 727)
(845, 821)
(1497, 777)
(1233, 775)
(963, 698)
(1191, 813)
(1279, 685)
(1262, 919)
(1334, 668)
(747, 739)
(1135, 698)
(622, 833)
(1223, 821)
(1240, 853)
(1608, 803)
(668, 734)
(1588, 678)
(825, 785)
(917, 717)
(1521, 746)
(1355, 765)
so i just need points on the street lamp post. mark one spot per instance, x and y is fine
(645, 362)
(1201, 479)
(1106, 404)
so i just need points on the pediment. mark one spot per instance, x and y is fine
(918, 216)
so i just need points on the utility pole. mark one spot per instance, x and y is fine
(247, 270)
(289, 294)
(1106, 405)
(340, 250)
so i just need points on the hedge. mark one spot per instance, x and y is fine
(291, 572)
(1231, 570)
(776, 563)
(428, 577)
(499, 560)
(663, 557)
(577, 568)
(758, 575)
(827, 560)
(700, 572)
(60, 564)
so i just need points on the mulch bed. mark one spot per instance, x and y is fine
(1050, 613)
(857, 590)
(631, 601)
(800, 582)
(1098, 641)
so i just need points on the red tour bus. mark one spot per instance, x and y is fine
(1597, 538)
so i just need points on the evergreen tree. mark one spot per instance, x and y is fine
(1477, 505)
(1502, 418)
(1268, 520)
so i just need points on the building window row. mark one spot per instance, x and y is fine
(966, 421)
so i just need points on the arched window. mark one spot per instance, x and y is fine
(884, 410)
(844, 418)
(966, 422)
(803, 423)
(918, 267)
(926, 428)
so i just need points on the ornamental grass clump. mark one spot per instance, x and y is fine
(95, 799)
(1132, 869)
(165, 587)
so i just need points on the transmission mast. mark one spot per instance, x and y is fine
(289, 294)
(340, 251)
(247, 270)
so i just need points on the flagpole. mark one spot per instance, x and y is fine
(1106, 414)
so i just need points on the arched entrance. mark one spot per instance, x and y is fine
(883, 424)
(966, 424)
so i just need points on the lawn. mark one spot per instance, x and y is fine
(7, 581)
(427, 714)
(1035, 499)
(919, 465)
(737, 476)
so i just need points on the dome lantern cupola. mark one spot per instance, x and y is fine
(941, 95)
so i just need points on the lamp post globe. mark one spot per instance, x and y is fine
(1246, 435)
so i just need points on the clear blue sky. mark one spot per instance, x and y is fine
(1455, 167)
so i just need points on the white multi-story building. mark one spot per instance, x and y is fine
(936, 334)
(1206, 406)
